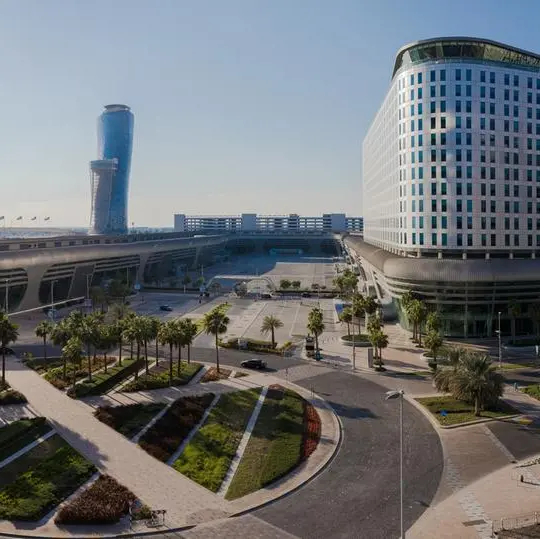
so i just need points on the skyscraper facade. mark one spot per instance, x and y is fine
(110, 173)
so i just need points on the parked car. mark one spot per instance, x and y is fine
(167, 308)
(306, 295)
(253, 364)
(266, 296)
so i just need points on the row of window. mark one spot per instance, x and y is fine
(419, 124)
(443, 241)
(509, 207)
(483, 108)
(532, 144)
(418, 173)
(468, 78)
(443, 222)
(509, 190)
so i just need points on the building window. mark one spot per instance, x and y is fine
(459, 240)
(469, 240)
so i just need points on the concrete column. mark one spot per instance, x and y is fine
(31, 296)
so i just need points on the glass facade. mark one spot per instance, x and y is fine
(115, 141)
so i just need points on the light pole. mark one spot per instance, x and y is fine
(499, 334)
(6, 300)
(398, 394)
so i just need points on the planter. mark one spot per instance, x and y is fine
(347, 341)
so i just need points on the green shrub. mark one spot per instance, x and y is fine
(128, 420)
(34, 493)
(10, 396)
(158, 379)
(19, 434)
(105, 502)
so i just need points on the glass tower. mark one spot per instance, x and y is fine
(115, 142)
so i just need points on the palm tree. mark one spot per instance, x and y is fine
(514, 308)
(134, 334)
(269, 325)
(98, 297)
(358, 309)
(107, 339)
(179, 327)
(120, 313)
(370, 305)
(60, 335)
(215, 323)
(43, 330)
(72, 352)
(534, 313)
(379, 340)
(433, 342)
(154, 324)
(433, 322)
(346, 316)
(146, 328)
(167, 336)
(190, 332)
(185, 281)
(315, 326)
(474, 380)
(9, 333)
(417, 312)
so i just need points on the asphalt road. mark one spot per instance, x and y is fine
(358, 494)
(523, 441)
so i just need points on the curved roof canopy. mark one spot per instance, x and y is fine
(466, 48)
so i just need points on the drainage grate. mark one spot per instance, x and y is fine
(474, 522)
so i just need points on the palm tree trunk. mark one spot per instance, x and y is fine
(317, 344)
(131, 349)
(419, 334)
(105, 360)
(157, 352)
(188, 353)
(273, 338)
(65, 369)
(179, 364)
(146, 356)
(45, 347)
(120, 352)
(348, 329)
(138, 357)
(3, 366)
(476, 406)
(217, 354)
(89, 367)
(170, 365)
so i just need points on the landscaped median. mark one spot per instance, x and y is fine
(103, 382)
(207, 457)
(287, 432)
(159, 378)
(450, 412)
(254, 345)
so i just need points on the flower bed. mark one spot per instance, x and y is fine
(19, 434)
(207, 457)
(101, 382)
(312, 430)
(166, 435)
(36, 491)
(212, 375)
(128, 420)
(105, 502)
(159, 377)
(10, 396)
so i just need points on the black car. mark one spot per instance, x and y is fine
(167, 308)
(253, 364)
(306, 295)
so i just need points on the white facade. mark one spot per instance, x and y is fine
(330, 222)
(451, 162)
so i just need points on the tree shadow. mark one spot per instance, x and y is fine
(351, 412)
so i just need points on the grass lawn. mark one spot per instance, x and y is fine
(358, 337)
(207, 457)
(10, 396)
(19, 434)
(166, 435)
(212, 375)
(461, 412)
(159, 377)
(101, 382)
(505, 366)
(532, 390)
(275, 444)
(128, 420)
(49, 480)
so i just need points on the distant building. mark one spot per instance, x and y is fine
(328, 222)
(110, 173)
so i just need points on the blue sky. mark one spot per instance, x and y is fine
(240, 105)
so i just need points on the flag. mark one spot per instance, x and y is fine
(19, 218)
(33, 219)
(47, 219)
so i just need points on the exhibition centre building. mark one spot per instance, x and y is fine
(451, 184)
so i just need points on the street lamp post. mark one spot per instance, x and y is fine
(398, 394)
(499, 334)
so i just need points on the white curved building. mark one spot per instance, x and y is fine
(451, 170)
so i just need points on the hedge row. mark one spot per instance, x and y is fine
(105, 502)
(10, 396)
(101, 383)
(312, 430)
(19, 434)
(254, 345)
(130, 419)
(56, 375)
(166, 435)
(159, 377)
